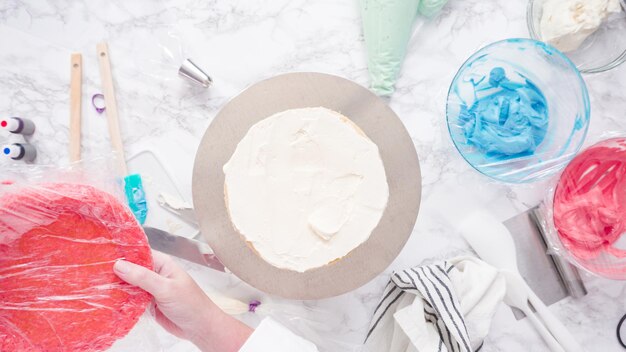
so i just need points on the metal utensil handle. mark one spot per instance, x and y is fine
(568, 273)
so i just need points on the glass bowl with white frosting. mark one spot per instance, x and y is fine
(592, 33)
(518, 110)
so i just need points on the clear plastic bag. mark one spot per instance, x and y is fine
(61, 231)
(585, 209)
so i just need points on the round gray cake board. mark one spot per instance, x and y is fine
(299, 90)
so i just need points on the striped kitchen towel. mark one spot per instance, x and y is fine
(443, 307)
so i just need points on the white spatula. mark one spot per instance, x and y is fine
(492, 241)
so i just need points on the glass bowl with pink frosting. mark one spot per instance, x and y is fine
(589, 209)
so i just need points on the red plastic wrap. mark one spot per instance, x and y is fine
(58, 244)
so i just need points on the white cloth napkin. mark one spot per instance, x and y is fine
(443, 307)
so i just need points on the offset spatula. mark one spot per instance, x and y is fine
(181, 247)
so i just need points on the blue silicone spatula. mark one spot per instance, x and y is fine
(133, 187)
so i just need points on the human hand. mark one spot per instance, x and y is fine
(182, 308)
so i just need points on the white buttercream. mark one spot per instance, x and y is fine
(567, 23)
(168, 200)
(305, 187)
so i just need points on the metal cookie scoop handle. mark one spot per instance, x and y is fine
(492, 241)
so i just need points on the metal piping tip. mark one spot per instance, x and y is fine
(194, 73)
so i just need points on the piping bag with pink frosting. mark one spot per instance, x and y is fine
(387, 28)
(590, 203)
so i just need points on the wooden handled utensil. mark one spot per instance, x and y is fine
(76, 74)
(133, 186)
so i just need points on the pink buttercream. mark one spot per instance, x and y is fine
(590, 202)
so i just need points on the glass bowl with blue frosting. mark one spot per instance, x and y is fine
(518, 110)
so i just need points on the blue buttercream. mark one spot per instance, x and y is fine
(506, 118)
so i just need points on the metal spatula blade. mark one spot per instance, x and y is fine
(181, 247)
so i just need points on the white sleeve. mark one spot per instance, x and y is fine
(271, 336)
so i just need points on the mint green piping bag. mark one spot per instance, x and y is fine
(387, 28)
(430, 8)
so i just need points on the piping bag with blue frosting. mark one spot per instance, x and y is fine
(387, 28)
(133, 187)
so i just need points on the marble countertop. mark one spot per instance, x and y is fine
(241, 42)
